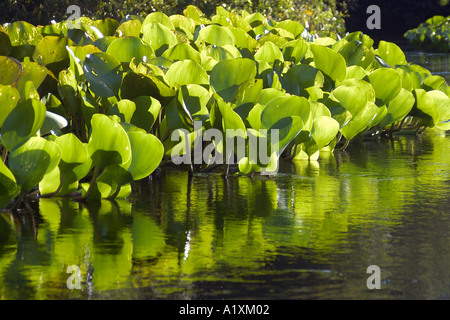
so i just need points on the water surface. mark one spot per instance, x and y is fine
(309, 232)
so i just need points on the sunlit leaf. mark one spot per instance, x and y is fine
(32, 160)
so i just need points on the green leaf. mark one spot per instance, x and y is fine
(124, 109)
(359, 36)
(360, 122)
(126, 48)
(11, 71)
(244, 165)
(33, 160)
(23, 33)
(231, 120)
(227, 75)
(386, 83)
(130, 28)
(52, 49)
(158, 17)
(107, 26)
(147, 111)
(398, 108)
(108, 143)
(442, 102)
(329, 62)
(293, 27)
(182, 22)
(425, 108)
(33, 72)
(8, 186)
(216, 35)
(269, 52)
(193, 12)
(306, 76)
(288, 128)
(186, 72)
(182, 51)
(193, 100)
(147, 153)
(351, 98)
(248, 92)
(391, 53)
(324, 130)
(73, 152)
(5, 44)
(68, 91)
(294, 50)
(103, 72)
(159, 37)
(283, 107)
(355, 53)
(22, 123)
(242, 39)
(9, 97)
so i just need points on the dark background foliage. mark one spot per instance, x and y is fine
(397, 16)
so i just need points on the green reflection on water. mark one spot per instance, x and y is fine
(309, 232)
(437, 63)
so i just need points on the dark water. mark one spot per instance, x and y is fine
(437, 63)
(308, 233)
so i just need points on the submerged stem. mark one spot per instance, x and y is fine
(18, 201)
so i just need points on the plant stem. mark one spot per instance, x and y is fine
(18, 201)
(88, 193)
(114, 195)
(4, 154)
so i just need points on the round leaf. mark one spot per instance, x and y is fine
(386, 83)
(22, 123)
(103, 72)
(227, 75)
(126, 48)
(9, 97)
(33, 160)
(51, 49)
(329, 62)
(186, 72)
(108, 143)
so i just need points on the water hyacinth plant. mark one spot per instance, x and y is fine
(86, 111)
(433, 34)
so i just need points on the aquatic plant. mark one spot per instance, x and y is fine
(86, 111)
(433, 34)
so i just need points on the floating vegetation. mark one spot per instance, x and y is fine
(89, 106)
(433, 34)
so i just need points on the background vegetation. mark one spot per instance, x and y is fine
(327, 15)
(397, 16)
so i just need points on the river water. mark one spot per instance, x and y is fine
(310, 232)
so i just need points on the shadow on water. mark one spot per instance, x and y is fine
(310, 232)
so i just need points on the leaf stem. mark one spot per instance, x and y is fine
(88, 193)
